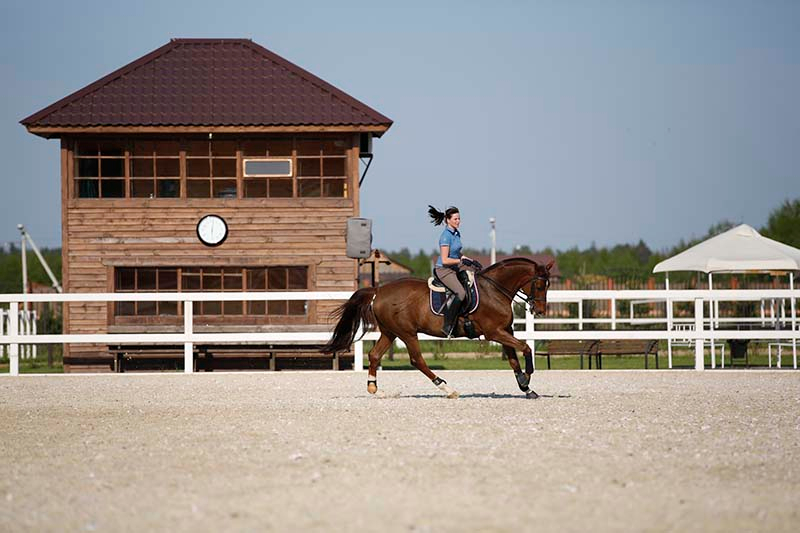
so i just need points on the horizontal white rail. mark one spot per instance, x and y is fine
(706, 328)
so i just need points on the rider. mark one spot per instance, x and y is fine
(450, 262)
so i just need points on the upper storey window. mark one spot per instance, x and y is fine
(259, 167)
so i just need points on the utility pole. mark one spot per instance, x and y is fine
(493, 234)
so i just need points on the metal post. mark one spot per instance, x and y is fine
(794, 321)
(188, 329)
(13, 329)
(24, 271)
(698, 328)
(669, 323)
(493, 234)
(711, 321)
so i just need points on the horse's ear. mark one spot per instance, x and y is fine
(549, 265)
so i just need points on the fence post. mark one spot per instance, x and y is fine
(358, 353)
(794, 321)
(188, 347)
(530, 327)
(13, 329)
(698, 328)
(613, 313)
(2, 331)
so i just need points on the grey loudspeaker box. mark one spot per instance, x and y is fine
(359, 237)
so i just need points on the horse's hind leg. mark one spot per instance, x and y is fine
(415, 354)
(375, 355)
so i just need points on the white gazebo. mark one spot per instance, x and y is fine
(741, 249)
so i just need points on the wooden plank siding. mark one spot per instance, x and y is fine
(101, 234)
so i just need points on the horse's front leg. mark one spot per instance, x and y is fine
(510, 345)
(415, 354)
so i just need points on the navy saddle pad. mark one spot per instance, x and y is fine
(438, 299)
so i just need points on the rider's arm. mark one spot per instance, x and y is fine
(444, 250)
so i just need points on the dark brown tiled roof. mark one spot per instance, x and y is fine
(209, 82)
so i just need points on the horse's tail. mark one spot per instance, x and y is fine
(357, 310)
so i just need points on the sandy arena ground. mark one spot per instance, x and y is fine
(614, 451)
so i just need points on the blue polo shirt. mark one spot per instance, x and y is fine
(452, 238)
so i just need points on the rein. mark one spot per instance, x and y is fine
(531, 299)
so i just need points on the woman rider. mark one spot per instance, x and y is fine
(450, 262)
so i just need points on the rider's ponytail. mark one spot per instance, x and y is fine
(437, 217)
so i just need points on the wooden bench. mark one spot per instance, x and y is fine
(626, 347)
(121, 354)
(568, 347)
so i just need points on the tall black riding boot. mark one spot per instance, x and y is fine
(451, 316)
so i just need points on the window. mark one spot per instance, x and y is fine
(321, 168)
(212, 279)
(100, 169)
(155, 169)
(271, 178)
(211, 169)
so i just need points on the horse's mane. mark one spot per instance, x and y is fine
(506, 262)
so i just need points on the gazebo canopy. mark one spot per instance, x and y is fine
(740, 249)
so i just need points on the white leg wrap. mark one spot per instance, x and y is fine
(448, 390)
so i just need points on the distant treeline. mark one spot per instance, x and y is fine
(624, 261)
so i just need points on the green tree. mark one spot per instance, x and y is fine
(784, 223)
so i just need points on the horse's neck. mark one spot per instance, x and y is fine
(513, 277)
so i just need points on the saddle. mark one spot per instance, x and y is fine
(439, 295)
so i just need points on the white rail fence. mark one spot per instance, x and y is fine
(700, 330)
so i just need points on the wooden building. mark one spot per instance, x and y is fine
(195, 128)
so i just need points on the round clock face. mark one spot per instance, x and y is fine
(212, 230)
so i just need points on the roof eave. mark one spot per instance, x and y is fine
(49, 132)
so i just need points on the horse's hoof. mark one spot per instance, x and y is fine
(372, 387)
(453, 395)
(531, 395)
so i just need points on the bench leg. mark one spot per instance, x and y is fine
(548, 361)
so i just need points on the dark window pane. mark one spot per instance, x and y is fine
(168, 308)
(198, 168)
(223, 168)
(333, 188)
(144, 148)
(334, 146)
(169, 188)
(126, 309)
(142, 188)
(298, 277)
(254, 147)
(233, 308)
(142, 168)
(276, 307)
(256, 308)
(126, 279)
(197, 148)
(88, 188)
(280, 188)
(297, 307)
(312, 147)
(112, 188)
(308, 167)
(223, 148)
(167, 280)
(256, 279)
(190, 282)
(267, 167)
(224, 188)
(232, 282)
(278, 147)
(87, 148)
(146, 279)
(145, 308)
(212, 282)
(168, 168)
(212, 308)
(112, 148)
(277, 279)
(255, 188)
(167, 148)
(333, 166)
(112, 168)
(308, 187)
(87, 168)
(198, 188)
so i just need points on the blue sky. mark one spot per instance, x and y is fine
(570, 122)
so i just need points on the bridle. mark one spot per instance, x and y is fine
(531, 299)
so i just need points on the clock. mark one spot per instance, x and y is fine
(212, 230)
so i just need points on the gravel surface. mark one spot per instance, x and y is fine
(625, 450)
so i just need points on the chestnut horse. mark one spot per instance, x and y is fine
(400, 309)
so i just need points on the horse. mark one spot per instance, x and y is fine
(400, 309)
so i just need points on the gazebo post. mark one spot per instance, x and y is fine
(794, 322)
(711, 320)
(669, 322)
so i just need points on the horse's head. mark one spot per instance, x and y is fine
(537, 294)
